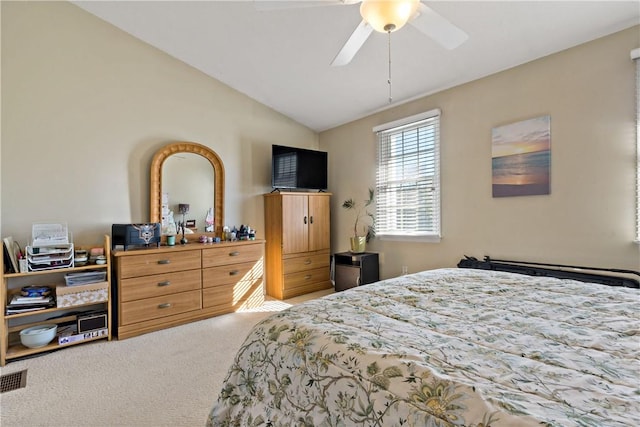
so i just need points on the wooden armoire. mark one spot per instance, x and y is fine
(297, 252)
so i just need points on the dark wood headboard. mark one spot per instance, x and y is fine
(564, 272)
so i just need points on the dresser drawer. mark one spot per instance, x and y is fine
(231, 255)
(304, 278)
(305, 263)
(157, 263)
(157, 307)
(247, 293)
(231, 274)
(136, 288)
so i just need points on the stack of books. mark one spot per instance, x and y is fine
(23, 304)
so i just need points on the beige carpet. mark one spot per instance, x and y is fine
(165, 378)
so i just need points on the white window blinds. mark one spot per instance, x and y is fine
(408, 177)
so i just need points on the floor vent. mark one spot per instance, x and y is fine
(13, 381)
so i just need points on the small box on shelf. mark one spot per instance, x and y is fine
(85, 278)
(69, 335)
(69, 296)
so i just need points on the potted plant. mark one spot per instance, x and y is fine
(362, 232)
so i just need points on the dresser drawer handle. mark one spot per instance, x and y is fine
(164, 261)
(166, 283)
(233, 273)
(307, 262)
(165, 305)
(307, 277)
(234, 253)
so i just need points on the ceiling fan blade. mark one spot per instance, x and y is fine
(266, 5)
(353, 45)
(434, 25)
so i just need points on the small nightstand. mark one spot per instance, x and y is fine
(353, 270)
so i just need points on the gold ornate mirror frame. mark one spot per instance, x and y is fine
(155, 198)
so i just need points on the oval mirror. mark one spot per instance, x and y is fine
(187, 182)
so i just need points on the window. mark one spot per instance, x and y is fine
(635, 55)
(408, 178)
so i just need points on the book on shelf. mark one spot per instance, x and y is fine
(8, 267)
(14, 252)
(20, 304)
(17, 310)
(21, 300)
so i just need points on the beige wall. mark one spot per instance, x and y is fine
(85, 106)
(588, 219)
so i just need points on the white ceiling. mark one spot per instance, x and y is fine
(282, 57)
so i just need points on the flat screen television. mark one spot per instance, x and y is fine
(298, 168)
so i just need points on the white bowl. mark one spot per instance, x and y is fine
(38, 336)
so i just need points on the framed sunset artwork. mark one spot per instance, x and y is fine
(521, 158)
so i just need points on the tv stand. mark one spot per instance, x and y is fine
(298, 241)
(295, 190)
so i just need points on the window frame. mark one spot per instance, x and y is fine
(435, 235)
(635, 57)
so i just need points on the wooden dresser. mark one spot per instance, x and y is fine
(157, 288)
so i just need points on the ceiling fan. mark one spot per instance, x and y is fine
(385, 16)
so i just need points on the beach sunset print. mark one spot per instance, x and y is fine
(521, 158)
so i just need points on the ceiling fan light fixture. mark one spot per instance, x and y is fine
(386, 16)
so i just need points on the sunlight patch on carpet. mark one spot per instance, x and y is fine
(267, 307)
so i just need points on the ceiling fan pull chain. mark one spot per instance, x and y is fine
(389, 81)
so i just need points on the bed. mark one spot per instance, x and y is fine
(446, 347)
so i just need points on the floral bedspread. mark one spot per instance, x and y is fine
(448, 347)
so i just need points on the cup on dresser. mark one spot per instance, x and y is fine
(171, 240)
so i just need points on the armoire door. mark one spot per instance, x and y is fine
(295, 224)
(319, 222)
